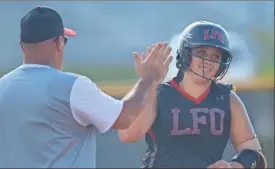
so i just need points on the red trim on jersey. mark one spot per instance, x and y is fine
(185, 94)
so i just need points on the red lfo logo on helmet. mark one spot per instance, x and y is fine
(215, 34)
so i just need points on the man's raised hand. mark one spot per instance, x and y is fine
(155, 64)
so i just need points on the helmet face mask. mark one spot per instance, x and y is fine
(197, 35)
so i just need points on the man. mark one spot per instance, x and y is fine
(49, 118)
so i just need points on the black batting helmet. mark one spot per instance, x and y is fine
(200, 34)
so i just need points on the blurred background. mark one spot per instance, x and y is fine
(108, 33)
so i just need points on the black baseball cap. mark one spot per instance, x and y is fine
(42, 23)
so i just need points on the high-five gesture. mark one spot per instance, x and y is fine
(155, 64)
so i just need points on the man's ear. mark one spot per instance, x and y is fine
(21, 45)
(60, 44)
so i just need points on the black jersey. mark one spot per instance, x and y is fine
(188, 132)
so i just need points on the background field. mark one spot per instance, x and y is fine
(108, 32)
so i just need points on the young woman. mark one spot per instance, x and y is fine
(188, 121)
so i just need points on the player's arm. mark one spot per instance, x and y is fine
(91, 106)
(243, 136)
(143, 122)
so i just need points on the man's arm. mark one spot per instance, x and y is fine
(144, 121)
(90, 105)
(134, 103)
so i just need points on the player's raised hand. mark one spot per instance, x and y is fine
(155, 63)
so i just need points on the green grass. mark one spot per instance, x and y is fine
(267, 70)
(125, 74)
(100, 72)
(106, 72)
